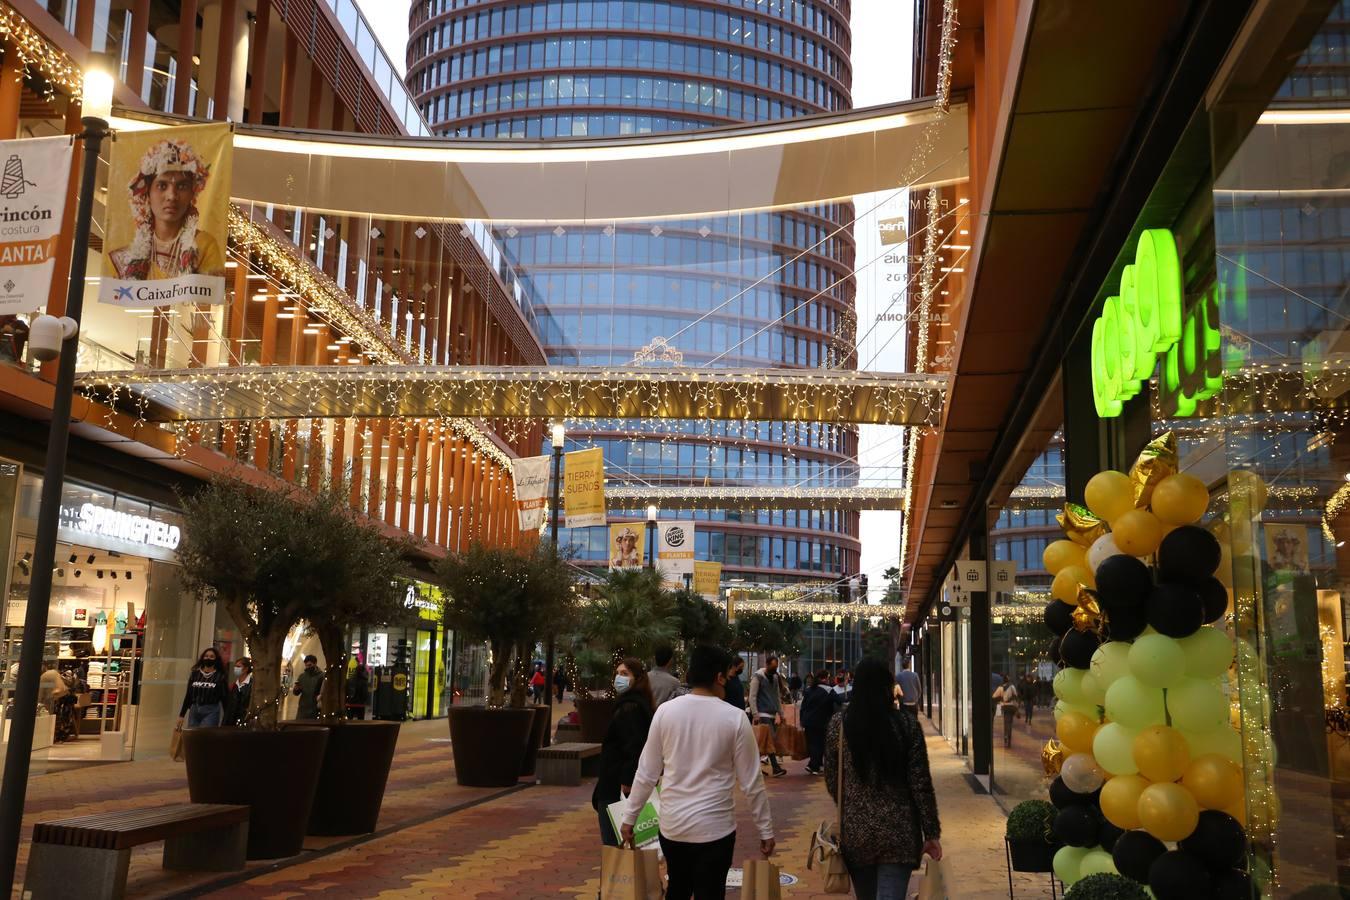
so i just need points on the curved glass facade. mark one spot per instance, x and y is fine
(753, 290)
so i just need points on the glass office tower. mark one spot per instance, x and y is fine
(745, 290)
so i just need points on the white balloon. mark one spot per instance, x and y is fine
(1102, 549)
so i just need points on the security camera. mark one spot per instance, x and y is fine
(46, 334)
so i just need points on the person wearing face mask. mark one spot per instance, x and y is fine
(766, 703)
(624, 739)
(207, 693)
(241, 692)
(307, 687)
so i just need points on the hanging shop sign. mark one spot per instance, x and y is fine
(1149, 319)
(708, 579)
(627, 546)
(584, 488)
(530, 476)
(675, 550)
(168, 205)
(969, 575)
(33, 181)
(96, 525)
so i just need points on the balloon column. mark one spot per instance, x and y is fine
(1149, 780)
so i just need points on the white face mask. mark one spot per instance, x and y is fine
(238, 671)
(622, 683)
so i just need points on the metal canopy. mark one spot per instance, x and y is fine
(305, 392)
(636, 496)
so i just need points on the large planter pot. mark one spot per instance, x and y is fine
(355, 771)
(538, 728)
(274, 773)
(595, 713)
(1032, 855)
(489, 744)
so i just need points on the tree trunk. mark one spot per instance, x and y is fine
(521, 684)
(333, 697)
(501, 664)
(266, 699)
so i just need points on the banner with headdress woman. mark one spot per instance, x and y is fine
(165, 231)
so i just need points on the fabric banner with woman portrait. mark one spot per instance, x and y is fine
(627, 546)
(166, 227)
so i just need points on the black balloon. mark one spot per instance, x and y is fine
(1077, 825)
(1135, 852)
(1218, 840)
(1176, 610)
(1059, 616)
(1188, 552)
(1126, 623)
(1061, 796)
(1053, 650)
(1078, 647)
(1179, 875)
(1123, 581)
(1233, 885)
(1108, 836)
(1214, 596)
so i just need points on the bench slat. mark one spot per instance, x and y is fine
(125, 829)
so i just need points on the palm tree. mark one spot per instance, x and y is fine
(631, 615)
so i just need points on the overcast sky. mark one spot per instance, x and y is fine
(882, 51)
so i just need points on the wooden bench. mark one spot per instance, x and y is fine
(567, 731)
(88, 856)
(564, 763)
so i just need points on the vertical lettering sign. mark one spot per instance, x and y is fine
(708, 579)
(33, 181)
(1147, 319)
(675, 550)
(529, 476)
(584, 488)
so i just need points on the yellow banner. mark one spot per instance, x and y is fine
(584, 488)
(708, 579)
(627, 546)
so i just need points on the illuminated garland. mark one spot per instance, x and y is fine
(38, 57)
(808, 609)
(633, 496)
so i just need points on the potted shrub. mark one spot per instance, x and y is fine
(506, 598)
(1106, 886)
(1030, 844)
(259, 554)
(360, 566)
(631, 614)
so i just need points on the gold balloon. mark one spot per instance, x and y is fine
(1168, 811)
(1109, 494)
(1061, 554)
(1052, 757)
(1160, 753)
(1068, 581)
(1137, 533)
(1087, 616)
(1155, 462)
(1214, 781)
(1080, 525)
(1120, 800)
(1179, 500)
(1076, 730)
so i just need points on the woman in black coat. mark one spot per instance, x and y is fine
(624, 740)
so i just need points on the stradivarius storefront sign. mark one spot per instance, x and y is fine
(1148, 319)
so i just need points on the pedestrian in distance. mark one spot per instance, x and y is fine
(358, 693)
(664, 684)
(890, 816)
(241, 692)
(208, 690)
(1028, 695)
(911, 691)
(701, 750)
(308, 685)
(624, 739)
(766, 704)
(559, 683)
(817, 710)
(538, 683)
(795, 686)
(1006, 698)
(735, 686)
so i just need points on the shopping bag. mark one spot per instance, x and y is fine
(791, 742)
(761, 881)
(176, 745)
(934, 886)
(626, 873)
(764, 740)
(647, 828)
(824, 852)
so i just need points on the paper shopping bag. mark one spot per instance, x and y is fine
(790, 742)
(625, 873)
(176, 745)
(761, 881)
(647, 828)
(934, 886)
(764, 740)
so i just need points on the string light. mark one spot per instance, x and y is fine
(632, 497)
(39, 58)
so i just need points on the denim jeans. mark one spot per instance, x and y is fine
(886, 881)
(203, 715)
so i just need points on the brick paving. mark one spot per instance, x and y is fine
(436, 839)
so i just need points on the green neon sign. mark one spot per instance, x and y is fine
(1149, 318)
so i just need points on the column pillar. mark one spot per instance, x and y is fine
(257, 52)
(982, 702)
(435, 451)
(397, 435)
(11, 95)
(289, 60)
(140, 28)
(187, 47)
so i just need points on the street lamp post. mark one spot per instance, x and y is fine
(651, 535)
(96, 104)
(559, 434)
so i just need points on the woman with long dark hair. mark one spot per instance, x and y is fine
(890, 816)
(624, 740)
(208, 691)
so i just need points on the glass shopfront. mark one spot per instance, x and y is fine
(121, 634)
(408, 666)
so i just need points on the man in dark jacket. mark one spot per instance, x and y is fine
(308, 685)
(735, 687)
(818, 705)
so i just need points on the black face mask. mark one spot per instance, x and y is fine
(206, 662)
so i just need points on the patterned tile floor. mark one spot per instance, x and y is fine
(437, 839)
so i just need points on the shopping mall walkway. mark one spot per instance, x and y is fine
(437, 839)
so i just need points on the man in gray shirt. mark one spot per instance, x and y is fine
(909, 687)
(664, 685)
